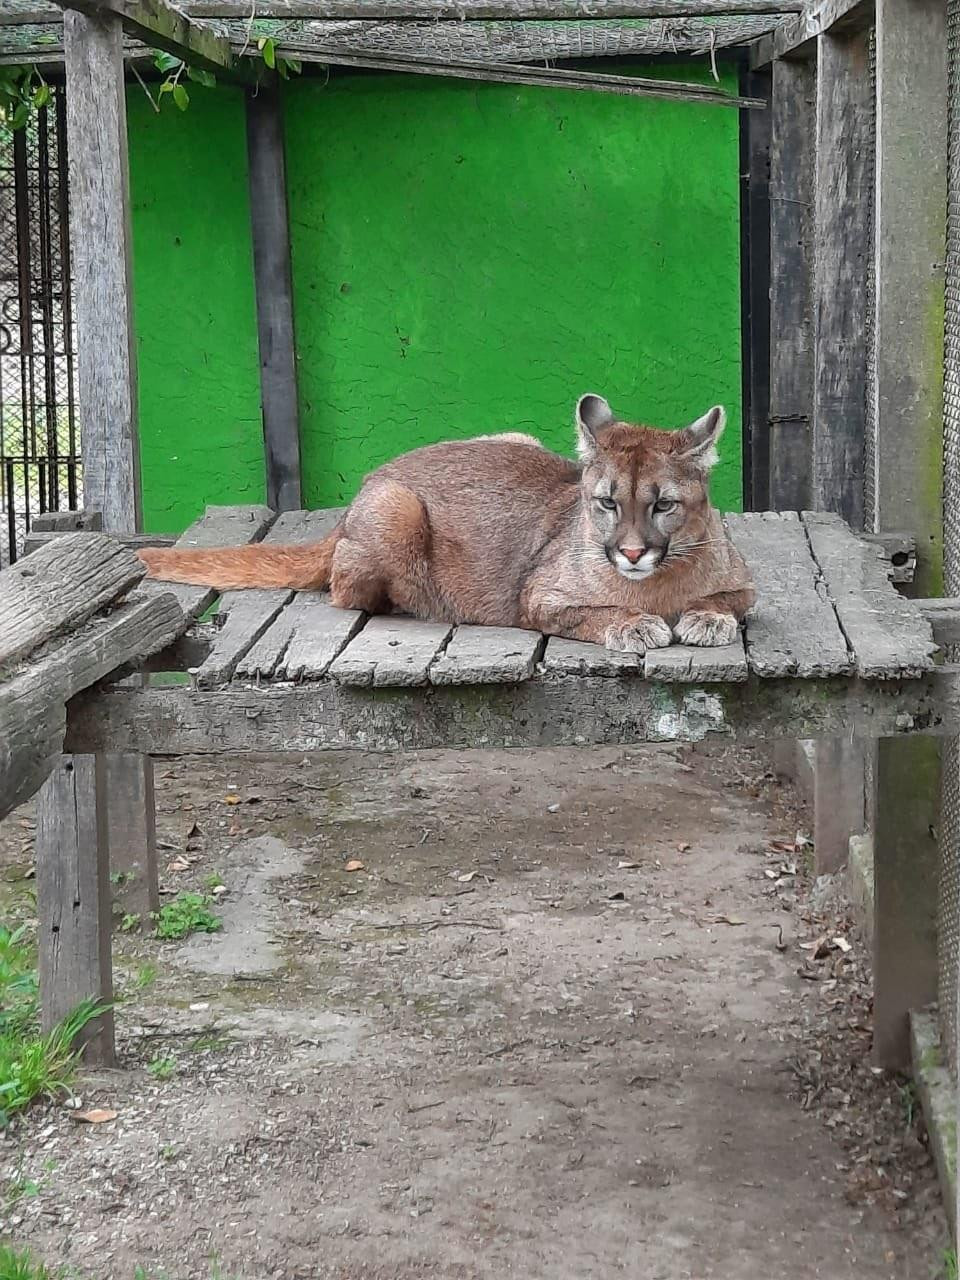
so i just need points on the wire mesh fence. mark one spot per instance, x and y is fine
(40, 468)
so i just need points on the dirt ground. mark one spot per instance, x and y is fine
(566, 1021)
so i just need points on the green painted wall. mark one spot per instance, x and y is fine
(471, 258)
(195, 313)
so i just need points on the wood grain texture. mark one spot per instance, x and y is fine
(597, 710)
(792, 629)
(274, 290)
(796, 38)
(578, 658)
(391, 651)
(302, 641)
(841, 252)
(34, 540)
(59, 588)
(132, 834)
(164, 26)
(793, 115)
(247, 615)
(889, 635)
(489, 10)
(488, 655)
(697, 665)
(100, 242)
(73, 899)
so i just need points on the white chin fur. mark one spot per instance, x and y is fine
(647, 563)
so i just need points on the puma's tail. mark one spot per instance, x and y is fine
(303, 568)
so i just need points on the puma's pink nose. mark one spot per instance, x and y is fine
(633, 554)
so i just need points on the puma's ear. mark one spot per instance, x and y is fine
(593, 412)
(697, 443)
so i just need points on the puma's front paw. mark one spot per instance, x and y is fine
(704, 627)
(643, 632)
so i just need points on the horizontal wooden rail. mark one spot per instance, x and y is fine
(797, 37)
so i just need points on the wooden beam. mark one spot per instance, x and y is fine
(909, 251)
(797, 37)
(519, 73)
(842, 175)
(755, 240)
(274, 286)
(488, 10)
(793, 112)
(161, 26)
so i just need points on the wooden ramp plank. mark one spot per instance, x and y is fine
(217, 527)
(693, 663)
(888, 633)
(580, 658)
(488, 655)
(305, 526)
(59, 588)
(391, 651)
(792, 629)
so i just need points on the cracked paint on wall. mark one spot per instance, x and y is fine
(201, 439)
(471, 258)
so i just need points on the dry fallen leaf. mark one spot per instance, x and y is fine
(841, 944)
(683, 848)
(354, 865)
(96, 1116)
(231, 799)
(178, 864)
(627, 866)
(464, 879)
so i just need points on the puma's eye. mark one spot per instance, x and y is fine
(608, 504)
(663, 506)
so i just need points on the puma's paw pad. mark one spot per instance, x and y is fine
(703, 627)
(645, 631)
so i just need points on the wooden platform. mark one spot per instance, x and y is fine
(831, 647)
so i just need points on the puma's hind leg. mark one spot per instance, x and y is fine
(382, 559)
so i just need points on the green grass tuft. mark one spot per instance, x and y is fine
(22, 1266)
(187, 913)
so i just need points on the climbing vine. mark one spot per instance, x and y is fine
(23, 91)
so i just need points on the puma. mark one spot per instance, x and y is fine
(621, 548)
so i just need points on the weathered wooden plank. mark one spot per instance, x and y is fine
(59, 588)
(488, 655)
(489, 10)
(162, 26)
(34, 540)
(793, 114)
(132, 835)
(944, 618)
(32, 724)
(100, 252)
(797, 37)
(578, 658)
(792, 629)
(88, 521)
(73, 881)
(521, 73)
(391, 651)
(597, 710)
(319, 633)
(274, 288)
(248, 614)
(217, 527)
(899, 550)
(841, 252)
(695, 665)
(755, 307)
(305, 526)
(889, 635)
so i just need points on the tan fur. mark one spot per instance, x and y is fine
(622, 549)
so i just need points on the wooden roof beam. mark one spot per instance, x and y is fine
(798, 38)
(488, 10)
(160, 26)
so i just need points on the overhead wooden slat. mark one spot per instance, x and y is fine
(391, 651)
(888, 633)
(792, 629)
(488, 655)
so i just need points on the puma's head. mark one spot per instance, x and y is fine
(644, 490)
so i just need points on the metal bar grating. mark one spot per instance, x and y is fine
(949, 896)
(39, 439)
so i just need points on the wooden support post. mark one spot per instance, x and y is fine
(133, 833)
(910, 243)
(841, 253)
(73, 821)
(73, 889)
(755, 150)
(271, 261)
(793, 119)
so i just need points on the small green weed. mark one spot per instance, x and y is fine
(213, 881)
(130, 921)
(146, 976)
(22, 1266)
(950, 1271)
(162, 1068)
(908, 1101)
(187, 913)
